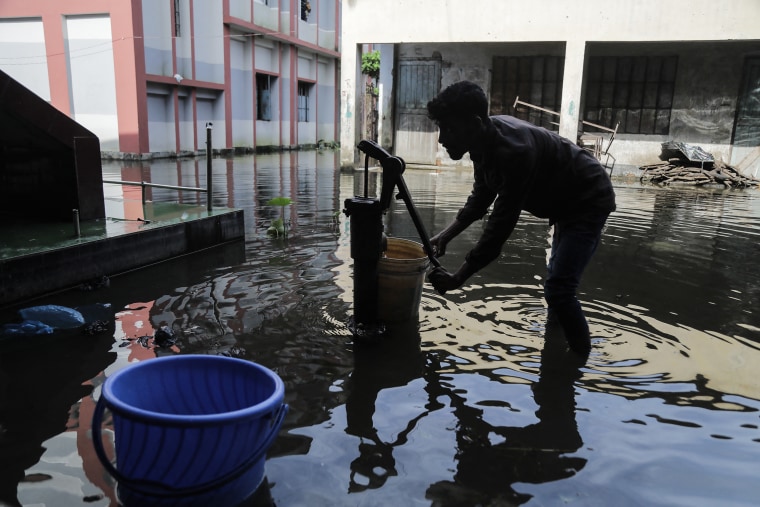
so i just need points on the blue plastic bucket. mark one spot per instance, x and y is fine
(190, 429)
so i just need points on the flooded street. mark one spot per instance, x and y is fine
(476, 404)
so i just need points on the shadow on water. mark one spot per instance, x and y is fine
(40, 396)
(475, 404)
(491, 457)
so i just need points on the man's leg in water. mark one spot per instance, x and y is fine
(573, 245)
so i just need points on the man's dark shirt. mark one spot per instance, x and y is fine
(525, 167)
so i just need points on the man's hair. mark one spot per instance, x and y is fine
(458, 101)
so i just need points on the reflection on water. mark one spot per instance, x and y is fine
(477, 404)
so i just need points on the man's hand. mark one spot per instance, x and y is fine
(439, 241)
(444, 281)
(438, 244)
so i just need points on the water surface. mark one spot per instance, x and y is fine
(475, 404)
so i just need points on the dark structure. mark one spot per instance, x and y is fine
(49, 164)
(51, 180)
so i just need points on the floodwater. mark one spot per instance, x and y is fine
(474, 405)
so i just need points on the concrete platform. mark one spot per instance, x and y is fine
(40, 258)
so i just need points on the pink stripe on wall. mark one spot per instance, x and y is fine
(194, 91)
(293, 96)
(227, 86)
(129, 65)
(55, 47)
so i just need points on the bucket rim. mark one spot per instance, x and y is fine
(270, 404)
(408, 242)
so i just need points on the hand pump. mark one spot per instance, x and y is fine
(367, 238)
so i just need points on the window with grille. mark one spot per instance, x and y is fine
(536, 80)
(177, 26)
(264, 87)
(304, 92)
(636, 91)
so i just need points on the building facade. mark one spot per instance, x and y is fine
(651, 71)
(150, 77)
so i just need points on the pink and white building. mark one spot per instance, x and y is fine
(147, 76)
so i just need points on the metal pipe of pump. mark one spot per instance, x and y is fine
(367, 246)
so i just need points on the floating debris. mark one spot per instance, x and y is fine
(96, 327)
(164, 337)
(691, 165)
(666, 173)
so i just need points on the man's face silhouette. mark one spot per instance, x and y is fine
(456, 136)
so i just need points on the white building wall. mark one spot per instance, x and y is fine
(241, 9)
(92, 80)
(208, 35)
(23, 55)
(184, 43)
(242, 88)
(157, 37)
(286, 90)
(573, 22)
(210, 109)
(325, 99)
(185, 119)
(307, 70)
(266, 15)
(161, 133)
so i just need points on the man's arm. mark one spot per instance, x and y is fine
(475, 208)
(501, 223)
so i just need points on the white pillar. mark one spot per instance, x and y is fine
(572, 82)
(348, 78)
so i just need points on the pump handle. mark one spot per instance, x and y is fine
(373, 149)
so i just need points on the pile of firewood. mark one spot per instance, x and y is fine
(674, 171)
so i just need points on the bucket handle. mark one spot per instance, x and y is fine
(159, 489)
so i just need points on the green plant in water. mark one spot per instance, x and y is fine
(279, 226)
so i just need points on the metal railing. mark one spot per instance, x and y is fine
(207, 190)
(145, 184)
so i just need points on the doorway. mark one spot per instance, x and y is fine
(418, 81)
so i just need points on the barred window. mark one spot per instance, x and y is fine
(636, 91)
(304, 92)
(177, 25)
(264, 87)
(536, 80)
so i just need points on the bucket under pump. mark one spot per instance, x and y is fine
(368, 242)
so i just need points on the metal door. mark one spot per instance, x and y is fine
(747, 129)
(418, 81)
(747, 132)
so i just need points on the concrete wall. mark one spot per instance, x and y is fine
(709, 68)
(31, 275)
